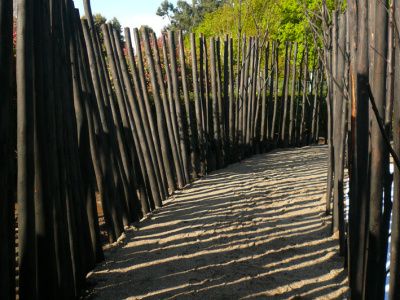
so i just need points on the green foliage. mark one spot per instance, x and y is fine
(185, 16)
(282, 20)
(100, 20)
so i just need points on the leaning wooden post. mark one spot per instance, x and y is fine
(7, 219)
(215, 114)
(271, 97)
(257, 99)
(77, 219)
(249, 77)
(57, 157)
(379, 162)
(358, 210)
(339, 123)
(178, 108)
(226, 100)
(171, 102)
(104, 179)
(206, 98)
(131, 177)
(165, 147)
(232, 100)
(285, 92)
(83, 147)
(25, 183)
(149, 125)
(313, 137)
(264, 104)
(240, 101)
(46, 192)
(245, 95)
(329, 109)
(221, 109)
(121, 124)
(198, 106)
(207, 107)
(254, 96)
(297, 104)
(202, 89)
(168, 117)
(99, 63)
(304, 101)
(104, 95)
(276, 96)
(94, 126)
(118, 117)
(189, 117)
(293, 96)
(394, 284)
(136, 105)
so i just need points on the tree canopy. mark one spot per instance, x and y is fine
(100, 20)
(185, 16)
(282, 19)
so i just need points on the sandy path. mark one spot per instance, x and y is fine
(253, 230)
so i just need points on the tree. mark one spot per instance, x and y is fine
(184, 16)
(284, 20)
(115, 24)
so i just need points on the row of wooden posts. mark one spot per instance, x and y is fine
(90, 126)
(362, 59)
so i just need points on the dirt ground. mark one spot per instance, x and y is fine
(255, 230)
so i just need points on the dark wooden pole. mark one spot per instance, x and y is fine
(7, 218)
(129, 177)
(168, 117)
(171, 103)
(232, 100)
(221, 105)
(276, 96)
(121, 123)
(245, 95)
(178, 108)
(271, 96)
(394, 284)
(215, 108)
(376, 255)
(285, 92)
(25, 183)
(149, 124)
(264, 104)
(293, 99)
(189, 114)
(165, 147)
(313, 137)
(93, 125)
(338, 139)
(103, 174)
(226, 102)
(139, 116)
(240, 100)
(359, 191)
(198, 106)
(304, 99)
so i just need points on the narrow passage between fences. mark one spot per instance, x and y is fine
(254, 229)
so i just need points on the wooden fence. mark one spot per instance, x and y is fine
(93, 129)
(362, 56)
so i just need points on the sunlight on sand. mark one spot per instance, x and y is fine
(256, 229)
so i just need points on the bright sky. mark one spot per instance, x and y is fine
(131, 13)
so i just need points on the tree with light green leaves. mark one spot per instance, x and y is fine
(187, 16)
